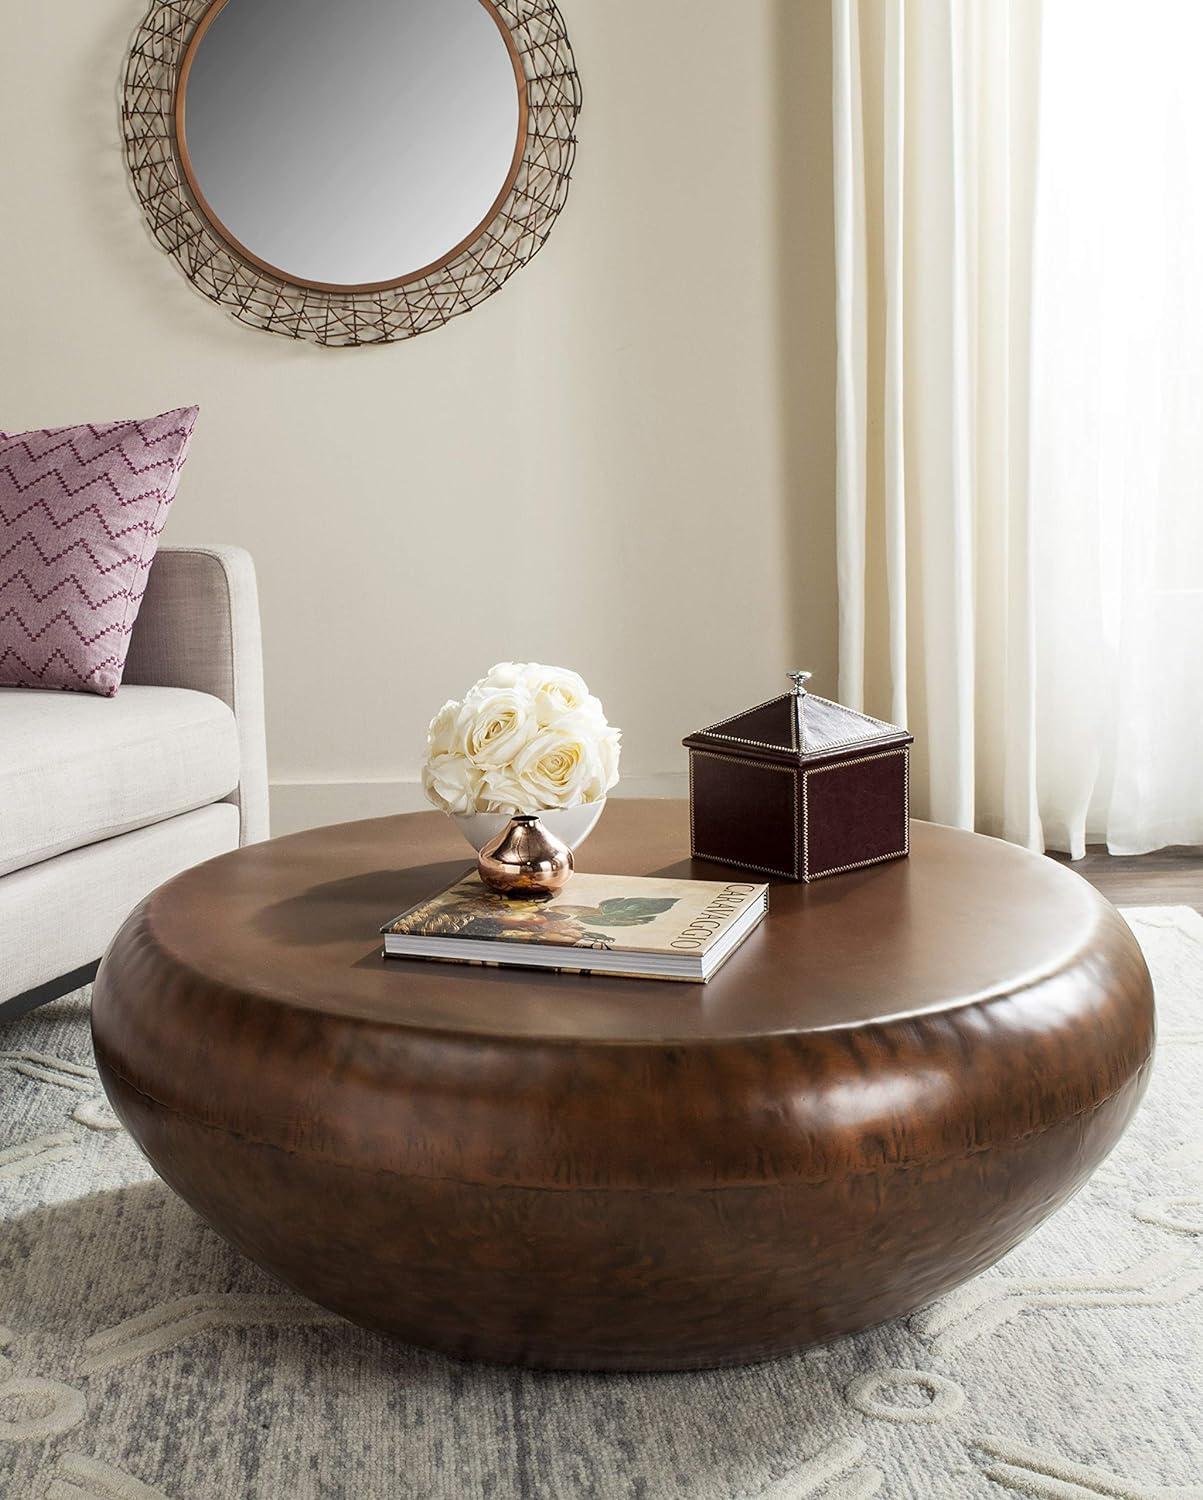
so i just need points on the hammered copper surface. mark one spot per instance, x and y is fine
(902, 1072)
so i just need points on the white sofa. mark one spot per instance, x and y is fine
(102, 799)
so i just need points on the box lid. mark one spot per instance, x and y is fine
(798, 727)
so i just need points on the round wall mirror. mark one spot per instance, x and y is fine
(354, 145)
(350, 172)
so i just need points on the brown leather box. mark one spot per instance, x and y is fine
(799, 787)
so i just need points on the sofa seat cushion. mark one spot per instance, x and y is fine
(76, 768)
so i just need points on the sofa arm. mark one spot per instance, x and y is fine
(198, 627)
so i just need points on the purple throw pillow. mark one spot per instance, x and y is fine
(81, 509)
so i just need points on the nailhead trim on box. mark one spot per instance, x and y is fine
(734, 739)
(758, 765)
(877, 859)
(804, 873)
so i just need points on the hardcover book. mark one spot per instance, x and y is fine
(605, 924)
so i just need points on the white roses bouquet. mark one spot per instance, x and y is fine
(524, 739)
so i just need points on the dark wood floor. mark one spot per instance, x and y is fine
(1170, 877)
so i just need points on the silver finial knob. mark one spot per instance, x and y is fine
(800, 679)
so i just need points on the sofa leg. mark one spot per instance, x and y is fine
(42, 994)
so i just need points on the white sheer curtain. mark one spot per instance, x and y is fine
(1019, 243)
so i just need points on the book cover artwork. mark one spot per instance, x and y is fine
(594, 911)
(608, 924)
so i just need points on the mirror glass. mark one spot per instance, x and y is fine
(350, 144)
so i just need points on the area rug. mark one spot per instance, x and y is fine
(143, 1359)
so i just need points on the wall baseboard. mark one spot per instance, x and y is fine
(312, 804)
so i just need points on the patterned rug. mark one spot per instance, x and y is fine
(142, 1359)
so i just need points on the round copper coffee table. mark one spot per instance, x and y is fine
(900, 1074)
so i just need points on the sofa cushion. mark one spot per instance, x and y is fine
(76, 768)
(62, 913)
(81, 509)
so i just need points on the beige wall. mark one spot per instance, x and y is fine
(624, 462)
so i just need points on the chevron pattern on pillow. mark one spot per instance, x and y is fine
(81, 509)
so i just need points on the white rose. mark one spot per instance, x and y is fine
(500, 792)
(590, 709)
(609, 748)
(525, 737)
(503, 674)
(557, 691)
(497, 723)
(564, 764)
(451, 782)
(445, 735)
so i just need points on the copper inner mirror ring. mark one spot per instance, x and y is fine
(202, 203)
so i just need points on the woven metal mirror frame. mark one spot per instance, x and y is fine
(511, 237)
